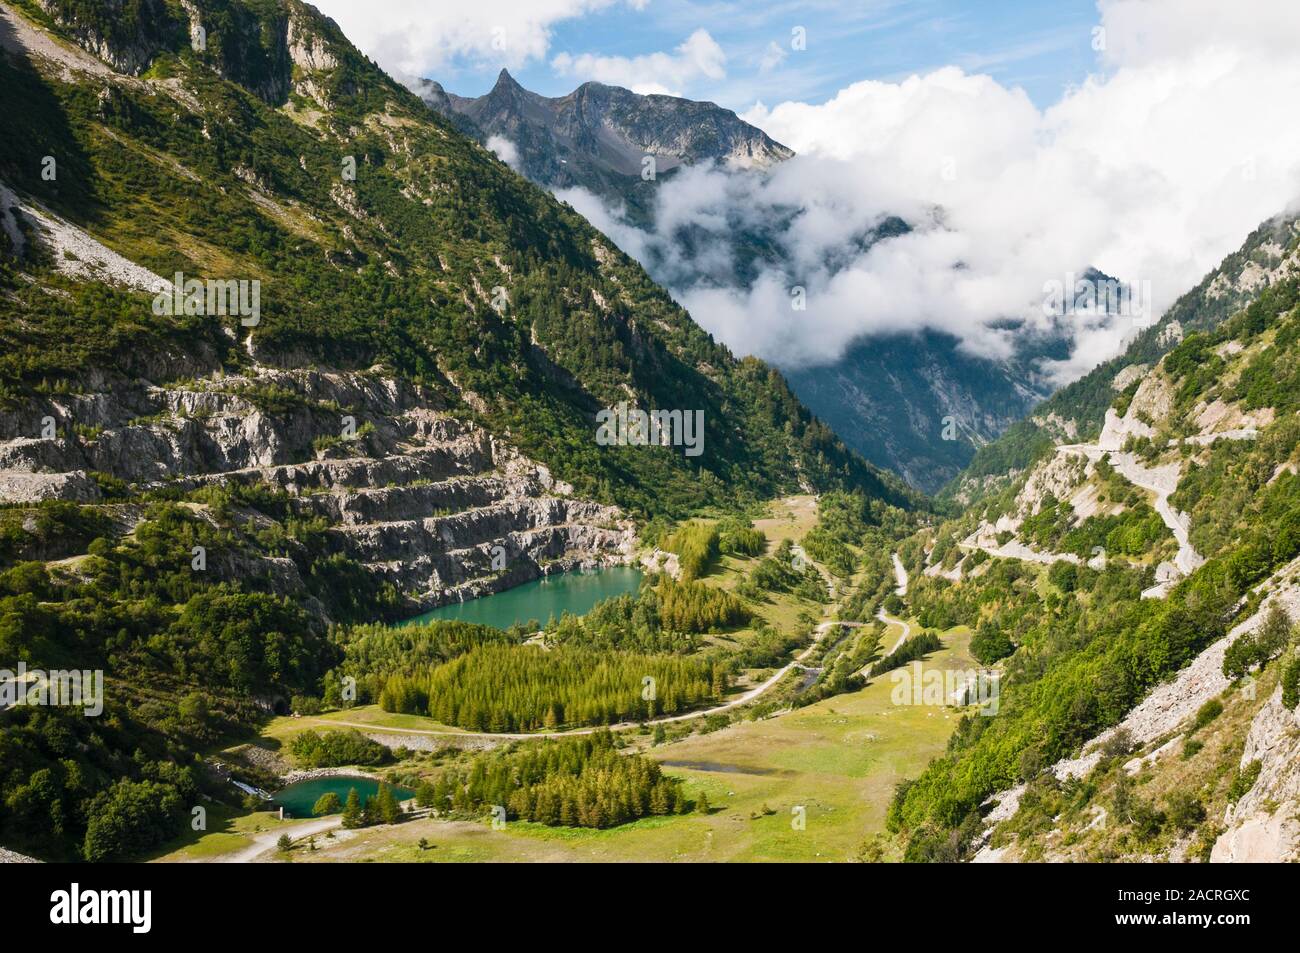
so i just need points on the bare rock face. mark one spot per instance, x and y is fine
(13, 857)
(1153, 400)
(1262, 827)
(127, 48)
(307, 50)
(600, 130)
(434, 505)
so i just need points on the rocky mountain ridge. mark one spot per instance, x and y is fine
(1269, 255)
(598, 137)
(599, 131)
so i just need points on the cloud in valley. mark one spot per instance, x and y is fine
(505, 150)
(1151, 171)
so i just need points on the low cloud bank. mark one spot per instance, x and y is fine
(1150, 171)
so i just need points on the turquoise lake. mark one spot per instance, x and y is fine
(572, 592)
(298, 799)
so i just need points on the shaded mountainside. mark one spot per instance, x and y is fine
(888, 396)
(397, 407)
(917, 403)
(598, 136)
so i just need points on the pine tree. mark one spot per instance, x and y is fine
(352, 816)
(386, 806)
(659, 800)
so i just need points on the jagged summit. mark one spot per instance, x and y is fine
(506, 82)
(598, 131)
(597, 138)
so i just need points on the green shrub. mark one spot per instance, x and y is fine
(1244, 780)
(1291, 684)
(334, 749)
(990, 644)
(1256, 648)
(305, 705)
(1211, 710)
(1184, 811)
(327, 803)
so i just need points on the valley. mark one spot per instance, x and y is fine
(306, 480)
(838, 760)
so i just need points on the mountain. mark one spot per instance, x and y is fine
(284, 351)
(286, 357)
(1131, 573)
(599, 136)
(915, 404)
(1078, 411)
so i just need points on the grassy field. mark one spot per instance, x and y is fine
(791, 518)
(810, 784)
(283, 728)
(227, 831)
(839, 760)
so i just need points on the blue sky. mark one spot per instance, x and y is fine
(1149, 197)
(1043, 47)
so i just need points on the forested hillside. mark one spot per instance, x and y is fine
(1077, 411)
(436, 262)
(191, 497)
(1161, 548)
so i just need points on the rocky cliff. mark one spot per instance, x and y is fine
(438, 507)
(598, 131)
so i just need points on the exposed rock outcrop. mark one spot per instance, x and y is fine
(1263, 827)
(436, 506)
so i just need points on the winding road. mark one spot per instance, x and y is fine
(900, 574)
(260, 843)
(266, 841)
(890, 620)
(1161, 482)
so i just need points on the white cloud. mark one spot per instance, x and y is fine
(772, 57)
(414, 38)
(699, 57)
(1151, 171)
(610, 221)
(505, 150)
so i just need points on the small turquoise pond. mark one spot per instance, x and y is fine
(298, 799)
(573, 592)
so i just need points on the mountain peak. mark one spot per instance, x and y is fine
(598, 130)
(506, 83)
